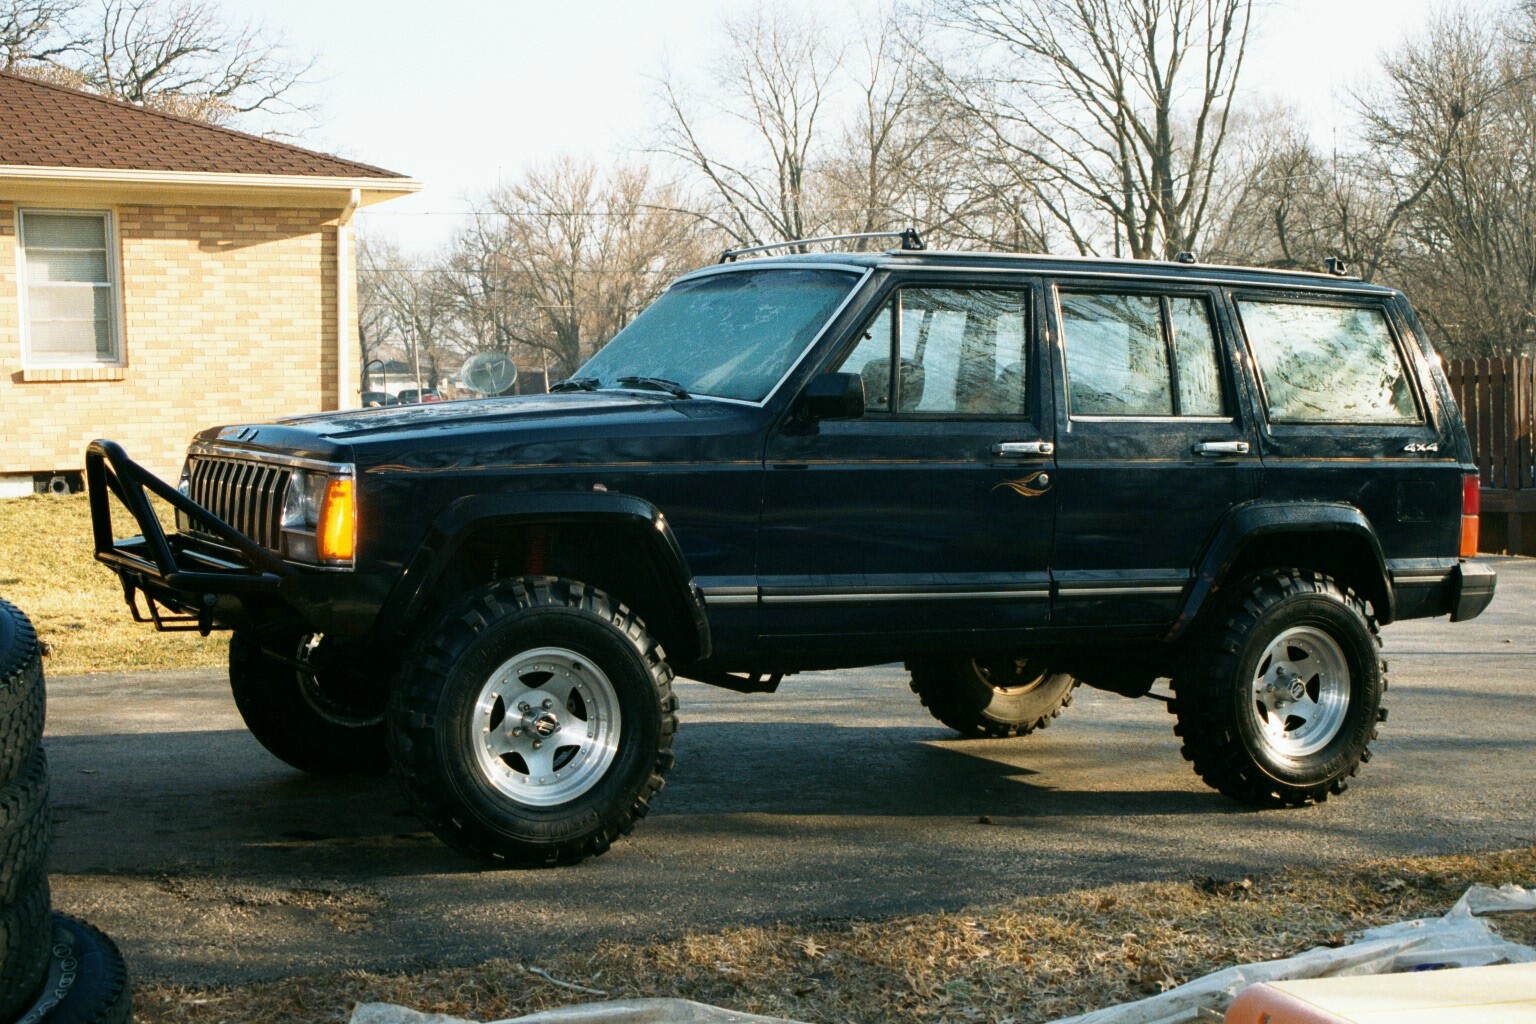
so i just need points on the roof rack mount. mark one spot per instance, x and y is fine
(910, 240)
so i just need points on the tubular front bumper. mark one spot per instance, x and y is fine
(184, 587)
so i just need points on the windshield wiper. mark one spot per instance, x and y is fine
(575, 384)
(671, 387)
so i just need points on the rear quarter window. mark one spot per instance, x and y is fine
(1327, 363)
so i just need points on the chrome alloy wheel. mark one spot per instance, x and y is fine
(1300, 692)
(546, 726)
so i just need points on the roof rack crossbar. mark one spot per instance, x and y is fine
(910, 240)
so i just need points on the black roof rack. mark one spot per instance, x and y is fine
(910, 240)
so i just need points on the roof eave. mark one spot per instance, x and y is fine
(268, 187)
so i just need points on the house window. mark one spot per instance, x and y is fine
(68, 288)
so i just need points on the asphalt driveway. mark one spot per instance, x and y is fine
(837, 797)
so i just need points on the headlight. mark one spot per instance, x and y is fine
(184, 486)
(319, 518)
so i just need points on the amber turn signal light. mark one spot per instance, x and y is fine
(1471, 506)
(338, 522)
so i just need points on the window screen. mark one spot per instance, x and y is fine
(1327, 363)
(68, 269)
(959, 352)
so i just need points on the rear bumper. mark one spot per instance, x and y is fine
(1472, 586)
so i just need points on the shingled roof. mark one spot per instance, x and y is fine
(44, 125)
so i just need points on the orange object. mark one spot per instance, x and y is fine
(338, 522)
(1471, 995)
(1471, 505)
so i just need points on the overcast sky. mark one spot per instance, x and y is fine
(459, 92)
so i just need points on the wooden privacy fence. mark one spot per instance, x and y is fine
(1498, 401)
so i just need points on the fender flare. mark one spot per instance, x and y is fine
(473, 515)
(1256, 519)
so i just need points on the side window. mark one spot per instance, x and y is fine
(1332, 364)
(954, 352)
(1140, 355)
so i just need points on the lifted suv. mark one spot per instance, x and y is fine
(1015, 474)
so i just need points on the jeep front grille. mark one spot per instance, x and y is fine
(245, 494)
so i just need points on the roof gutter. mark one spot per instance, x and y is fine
(370, 189)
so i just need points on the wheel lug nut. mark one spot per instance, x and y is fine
(524, 707)
(518, 731)
(548, 704)
(537, 745)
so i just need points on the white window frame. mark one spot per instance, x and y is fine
(114, 287)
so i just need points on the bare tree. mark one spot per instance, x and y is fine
(770, 87)
(36, 34)
(1116, 110)
(405, 308)
(182, 57)
(556, 263)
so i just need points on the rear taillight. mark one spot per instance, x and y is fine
(1471, 505)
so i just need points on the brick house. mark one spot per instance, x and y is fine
(159, 275)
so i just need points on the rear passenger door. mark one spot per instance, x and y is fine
(1350, 418)
(1154, 444)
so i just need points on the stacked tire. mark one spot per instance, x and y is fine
(53, 969)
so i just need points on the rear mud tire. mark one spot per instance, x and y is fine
(992, 697)
(458, 702)
(1314, 744)
(290, 722)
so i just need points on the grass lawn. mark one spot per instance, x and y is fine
(46, 570)
(1024, 960)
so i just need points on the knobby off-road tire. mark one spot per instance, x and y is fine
(24, 827)
(533, 661)
(304, 719)
(1281, 695)
(21, 692)
(991, 697)
(86, 981)
(24, 939)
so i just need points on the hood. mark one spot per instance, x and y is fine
(570, 427)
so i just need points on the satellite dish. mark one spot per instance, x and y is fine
(489, 373)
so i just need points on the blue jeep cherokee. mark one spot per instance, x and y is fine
(1013, 473)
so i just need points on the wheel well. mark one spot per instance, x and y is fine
(1347, 557)
(619, 559)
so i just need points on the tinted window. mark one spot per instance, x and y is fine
(961, 351)
(1118, 350)
(1327, 363)
(733, 335)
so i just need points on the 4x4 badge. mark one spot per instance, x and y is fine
(1416, 446)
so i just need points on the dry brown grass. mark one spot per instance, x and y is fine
(47, 570)
(1030, 959)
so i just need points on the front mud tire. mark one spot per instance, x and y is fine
(511, 660)
(1279, 699)
(293, 715)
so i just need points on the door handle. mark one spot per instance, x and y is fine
(1023, 448)
(1214, 448)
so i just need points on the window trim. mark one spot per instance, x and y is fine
(1163, 292)
(1381, 305)
(114, 286)
(892, 294)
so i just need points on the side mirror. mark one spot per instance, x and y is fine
(833, 396)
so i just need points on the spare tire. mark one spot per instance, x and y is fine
(24, 827)
(24, 935)
(87, 980)
(21, 692)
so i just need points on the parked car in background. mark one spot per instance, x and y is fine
(411, 396)
(378, 399)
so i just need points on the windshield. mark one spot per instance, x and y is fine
(730, 335)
